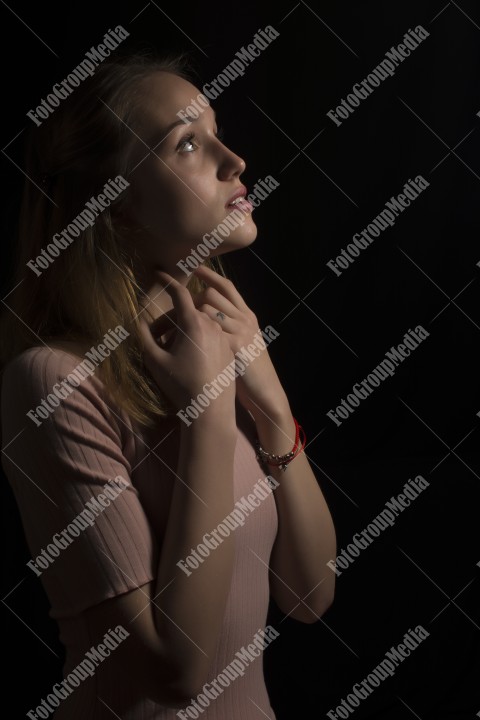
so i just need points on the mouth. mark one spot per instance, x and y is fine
(239, 201)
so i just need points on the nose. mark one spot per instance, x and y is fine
(230, 164)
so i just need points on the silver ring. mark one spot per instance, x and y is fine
(220, 315)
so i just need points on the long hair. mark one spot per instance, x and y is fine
(90, 287)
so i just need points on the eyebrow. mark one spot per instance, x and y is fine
(166, 131)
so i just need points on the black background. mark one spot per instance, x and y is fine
(333, 330)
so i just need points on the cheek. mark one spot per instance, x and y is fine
(175, 204)
(155, 202)
(189, 213)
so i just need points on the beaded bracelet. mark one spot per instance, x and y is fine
(283, 460)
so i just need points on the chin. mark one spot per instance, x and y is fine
(238, 240)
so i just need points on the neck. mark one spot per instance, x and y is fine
(154, 298)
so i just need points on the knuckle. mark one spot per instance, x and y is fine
(194, 324)
(182, 292)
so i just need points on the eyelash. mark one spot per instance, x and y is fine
(191, 136)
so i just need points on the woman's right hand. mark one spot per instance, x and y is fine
(196, 351)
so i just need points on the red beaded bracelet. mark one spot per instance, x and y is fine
(283, 460)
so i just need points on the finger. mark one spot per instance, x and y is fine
(155, 359)
(215, 314)
(166, 321)
(224, 286)
(181, 298)
(214, 298)
(150, 347)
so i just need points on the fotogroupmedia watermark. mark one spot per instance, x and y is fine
(93, 358)
(236, 68)
(60, 241)
(385, 519)
(84, 669)
(60, 91)
(213, 389)
(85, 519)
(235, 669)
(236, 518)
(381, 372)
(385, 219)
(210, 241)
(381, 72)
(385, 669)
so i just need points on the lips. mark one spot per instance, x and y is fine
(237, 196)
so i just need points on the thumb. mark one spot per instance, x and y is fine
(165, 322)
(151, 349)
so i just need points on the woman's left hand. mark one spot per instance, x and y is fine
(258, 389)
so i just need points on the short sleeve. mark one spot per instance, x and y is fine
(85, 526)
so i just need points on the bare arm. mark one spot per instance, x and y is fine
(189, 612)
(300, 581)
(175, 624)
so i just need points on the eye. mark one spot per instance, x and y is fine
(185, 141)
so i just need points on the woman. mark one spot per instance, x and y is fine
(109, 342)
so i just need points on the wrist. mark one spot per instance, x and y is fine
(276, 434)
(217, 418)
(280, 459)
(275, 412)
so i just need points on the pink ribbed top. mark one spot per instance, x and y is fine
(54, 470)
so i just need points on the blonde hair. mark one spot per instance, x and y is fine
(90, 287)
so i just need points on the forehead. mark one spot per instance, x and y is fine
(165, 95)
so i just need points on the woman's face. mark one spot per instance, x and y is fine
(181, 189)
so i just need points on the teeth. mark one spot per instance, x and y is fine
(237, 200)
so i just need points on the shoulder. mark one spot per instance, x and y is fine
(41, 361)
(38, 369)
(41, 378)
